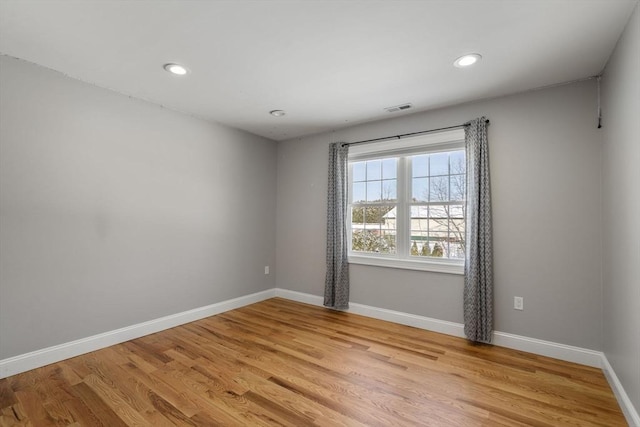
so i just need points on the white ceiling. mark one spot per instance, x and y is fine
(328, 63)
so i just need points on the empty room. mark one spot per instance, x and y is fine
(319, 213)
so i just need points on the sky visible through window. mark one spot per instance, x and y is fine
(375, 180)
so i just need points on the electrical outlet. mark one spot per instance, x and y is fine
(266, 269)
(518, 303)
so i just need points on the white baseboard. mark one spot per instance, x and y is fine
(556, 350)
(422, 322)
(35, 359)
(568, 353)
(39, 358)
(629, 411)
(46, 356)
(502, 339)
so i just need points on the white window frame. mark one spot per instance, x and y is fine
(423, 144)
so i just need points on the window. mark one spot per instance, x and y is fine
(407, 203)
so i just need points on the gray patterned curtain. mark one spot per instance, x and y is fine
(336, 285)
(478, 269)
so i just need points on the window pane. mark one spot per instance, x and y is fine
(420, 189)
(389, 242)
(419, 231)
(439, 164)
(374, 191)
(373, 229)
(457, 187)
(419, 244)
(439, 189)
(456, 251)
(457, 239)
(456, 211)
(439, 224)
(439, 244)
(389, 191)
(389, 168)
(376, 214)
(437, 211)
(374, 169)
(425, 249)
(438, 219)
(359, 192)
(357, 217)
(457, 161)
(420, 165)
(388, 216)
(419, 218)
(358, 171)
(456, 232)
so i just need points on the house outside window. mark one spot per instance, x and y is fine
(407, 203)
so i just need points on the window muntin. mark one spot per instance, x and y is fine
(409, 206)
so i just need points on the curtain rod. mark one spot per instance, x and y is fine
(366, 141)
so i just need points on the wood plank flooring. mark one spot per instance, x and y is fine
(283, 363)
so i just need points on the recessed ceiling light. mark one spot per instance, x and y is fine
(176, 69)
(277, 113)
(467, 60)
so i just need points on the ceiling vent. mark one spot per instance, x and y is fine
(399, 108)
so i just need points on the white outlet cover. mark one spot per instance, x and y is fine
(518, 303)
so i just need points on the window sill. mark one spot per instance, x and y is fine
(451, 267)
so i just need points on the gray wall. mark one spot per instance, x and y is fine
(621, 209)
(114, 211)
(545, 167)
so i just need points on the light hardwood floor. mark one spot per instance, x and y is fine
(283, 363)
